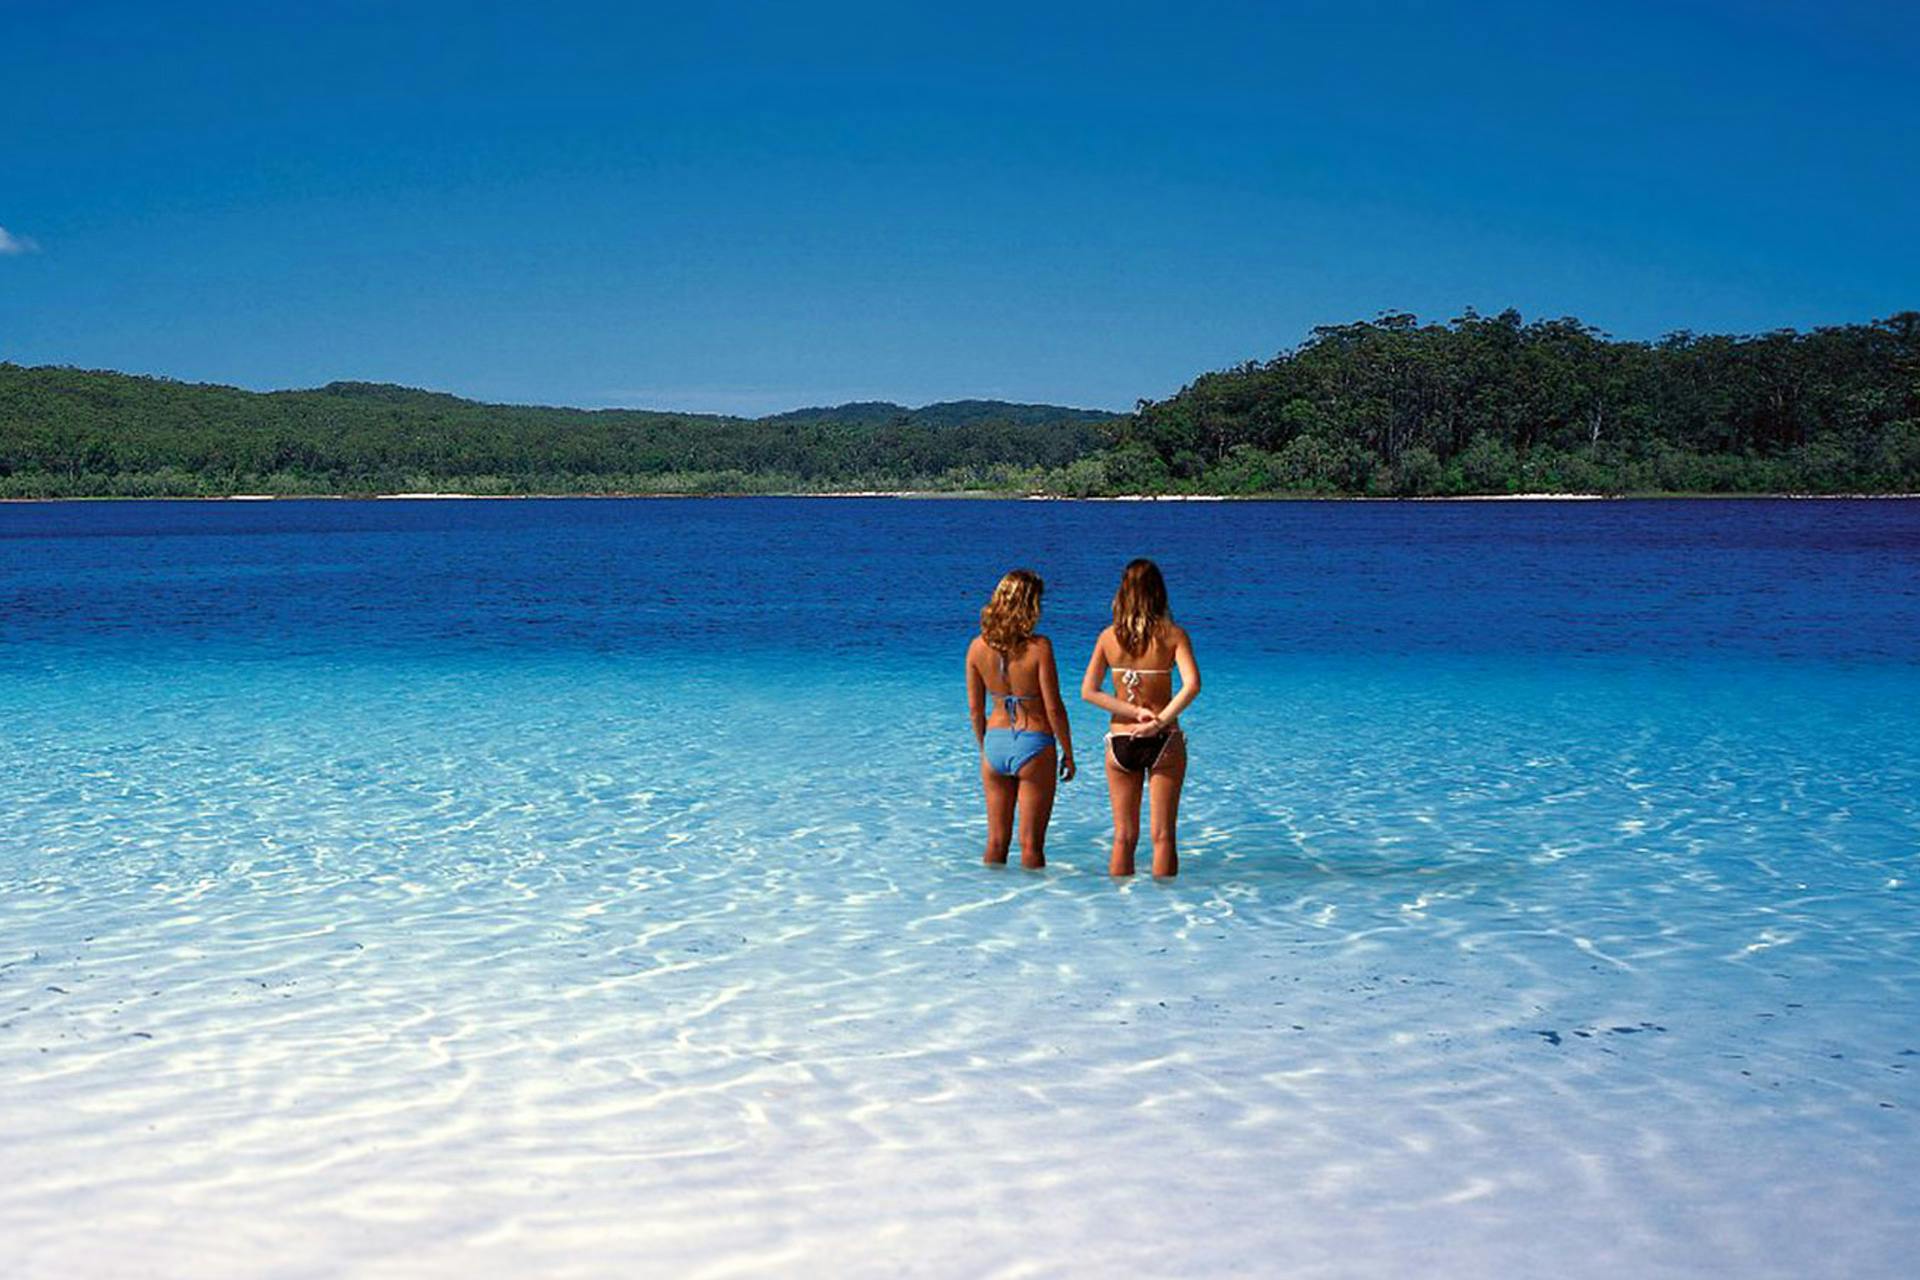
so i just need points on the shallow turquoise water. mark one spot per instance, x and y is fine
(422, 888)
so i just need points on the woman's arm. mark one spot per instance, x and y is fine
(1189, 680)
(1090, 690)
(976, 699)
(1056, 710)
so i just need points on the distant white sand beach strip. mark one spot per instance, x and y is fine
(891, 493)
(997, 495)
(1509, 497)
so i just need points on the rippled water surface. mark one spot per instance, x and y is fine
(588, 888)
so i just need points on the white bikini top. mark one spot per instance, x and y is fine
(1130, 677)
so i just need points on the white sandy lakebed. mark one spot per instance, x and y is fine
(314, 973)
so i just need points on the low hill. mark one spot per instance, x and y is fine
(946, 413)
(74, 432)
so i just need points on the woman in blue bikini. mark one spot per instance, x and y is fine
(1145, 748)
(1013, 696)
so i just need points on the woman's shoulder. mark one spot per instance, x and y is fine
(1034, 649)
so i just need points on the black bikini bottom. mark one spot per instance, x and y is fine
(1135, 754)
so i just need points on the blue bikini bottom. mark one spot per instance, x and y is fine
(1009, 750)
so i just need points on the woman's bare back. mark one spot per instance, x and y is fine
(1143, 679)
(1013, 674)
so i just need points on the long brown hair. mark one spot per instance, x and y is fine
(1008, 617)
(1140, 606)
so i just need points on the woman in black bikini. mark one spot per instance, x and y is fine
(1146, 749)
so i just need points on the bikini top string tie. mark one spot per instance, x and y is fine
(1010, 700)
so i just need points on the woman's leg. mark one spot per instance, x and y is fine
(1123, 789)
(1037, 783)
(1000, 796)
(1169, 774)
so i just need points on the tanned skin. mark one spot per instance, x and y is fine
(1029, 673)
(1157, 710)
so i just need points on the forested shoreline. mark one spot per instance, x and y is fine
(1387, 407)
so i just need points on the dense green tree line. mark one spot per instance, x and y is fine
(1482, 404)
(67, 432)
(1491, 404)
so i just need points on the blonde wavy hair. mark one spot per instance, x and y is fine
(1007, 619)
(1140, 606)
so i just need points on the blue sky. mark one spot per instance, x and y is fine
(749, 208)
